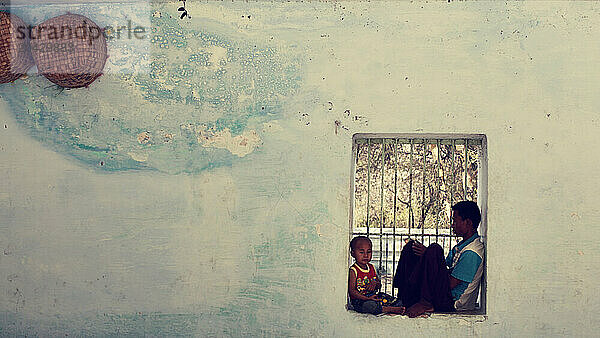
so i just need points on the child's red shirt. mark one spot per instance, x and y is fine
(364, 277)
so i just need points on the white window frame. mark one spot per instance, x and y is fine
(482, 189)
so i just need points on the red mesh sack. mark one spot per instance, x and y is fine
(69, 50)
(15, 55)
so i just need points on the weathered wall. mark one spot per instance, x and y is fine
(248, 235)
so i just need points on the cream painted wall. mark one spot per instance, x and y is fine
(259, 247)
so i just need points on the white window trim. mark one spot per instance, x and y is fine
(482, 190)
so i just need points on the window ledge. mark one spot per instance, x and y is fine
(471, 316)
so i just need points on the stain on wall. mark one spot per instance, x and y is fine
(193, 103)
(201, 186)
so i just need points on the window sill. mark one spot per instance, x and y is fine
(471, 316)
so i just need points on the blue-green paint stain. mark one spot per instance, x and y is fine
(223, 82)
(201, 59)
(91, 148)
(104, 324)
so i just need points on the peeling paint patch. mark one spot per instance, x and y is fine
(139, 157)
(240, 145)
(318, 229)
(143, 137)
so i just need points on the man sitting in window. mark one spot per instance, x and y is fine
(426, 282)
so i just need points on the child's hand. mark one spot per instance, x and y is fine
(373, 297)
(372, 286)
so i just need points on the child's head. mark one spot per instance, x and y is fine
(361, 249)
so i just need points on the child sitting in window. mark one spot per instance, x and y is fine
(363, 282)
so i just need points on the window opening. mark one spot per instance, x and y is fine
(403, 188)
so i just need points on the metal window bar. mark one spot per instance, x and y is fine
(395, 200)
(423, 192)
(466, 169)
(453, 180)
(381, 215)
(442, 236)
(410, 211)
(437, 182)
(368, 183)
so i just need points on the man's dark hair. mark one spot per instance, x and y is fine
(468, 210)
(357, 239)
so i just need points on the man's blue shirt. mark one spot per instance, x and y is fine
(465, 268)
